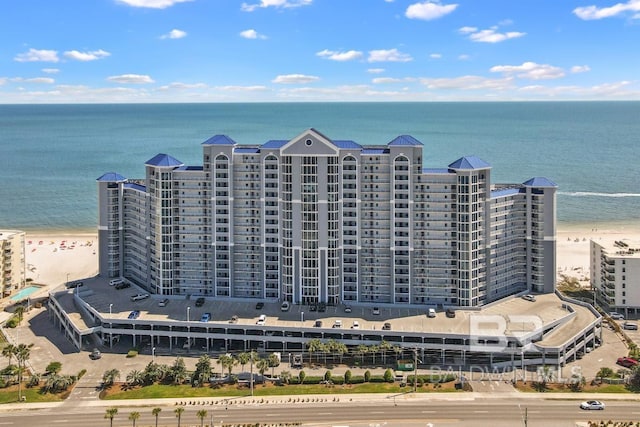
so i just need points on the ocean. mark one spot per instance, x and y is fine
(51, 155)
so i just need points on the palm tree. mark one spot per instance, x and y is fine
(156, 412)
(203, 370)
(274, 362)
(362, 349)
(262, 365)
(604, 372)
(135, 378)
(179, 370)
(314, 346)
(23, 352)
(9, 351)
(384, 347)
(109, 377)
(110, 414)
(226, 361)
(243, 359)
(202, 414)
(134, 417)
(19, 312)
(178, 411)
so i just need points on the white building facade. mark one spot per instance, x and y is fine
(314, 220)
(615, 274)
(12, 261)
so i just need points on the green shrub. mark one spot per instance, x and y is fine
(12, 322)
(132, 353)
(367, 376)
(327, 376)
(347, 377)
(388, 376)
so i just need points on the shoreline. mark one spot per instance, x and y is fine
(54, 257)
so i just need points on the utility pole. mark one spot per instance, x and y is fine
(415, 369)
(251, 380)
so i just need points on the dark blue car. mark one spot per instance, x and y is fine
(134, 314)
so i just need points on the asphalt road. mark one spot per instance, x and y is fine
(480, 412)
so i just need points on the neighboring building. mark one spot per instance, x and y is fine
(313, 220)
(615, 273)
(12, 261)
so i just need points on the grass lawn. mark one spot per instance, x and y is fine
(120, 391)
(561, 388)
(10, 395)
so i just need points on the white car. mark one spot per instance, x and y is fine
(139, 297)
(376, 311)
(356, 325)
(616, 316)
(431, 312)
(285, 306)
(529, 297)
(592, 404)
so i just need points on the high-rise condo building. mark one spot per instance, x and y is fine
(312, 220)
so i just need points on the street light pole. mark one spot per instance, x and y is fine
(302, 317)
(110, 305)
(188, 310)
(153, 355)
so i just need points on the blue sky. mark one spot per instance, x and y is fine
(68, 51)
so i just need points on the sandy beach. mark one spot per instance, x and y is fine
(53, 258)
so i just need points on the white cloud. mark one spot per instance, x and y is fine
(464, 57)
(580, 69)
(468, 83)
(590, 13)
(50, 70)
(3, 80)
(86, 56)
(174, 34)
(35, 55)
(131, 79)
(390, 55)
(340, 56)
(152, 4)
(295, 79)
(435, 56)
(284, 4)
(183, 86)
(429, 10)
(530, 70)
(375, 70)
(388, 80)
(231, 88)
(252, 34)
(490, 35)
(38, 80)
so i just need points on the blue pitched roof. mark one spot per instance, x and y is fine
(135, 186)
(405, 140)
(164, 160)
(375, 151)
(219, 140)
(111, 177)
(506, 192)
(347, 145)
(469, 162)
(274, 144)
(540, 182)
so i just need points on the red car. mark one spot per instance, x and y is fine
(627, 362)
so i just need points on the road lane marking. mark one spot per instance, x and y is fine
(428, 412)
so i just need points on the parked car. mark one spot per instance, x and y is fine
(234, 319)
(375, 311)
(163, 302)
(259, 306)
(200, 302)
(122, 285)
(139, 297)
(317, 324)
(337, 324)
(134, 314)
(285, 306)
(205, 317)
(630, 326)
(431, 312)
(347, 309)
(529, 297)
(95, 354)
(616, 316)
(451, 312)
(115, 282)
(313, 307)
(627, 362)
(322, 307)
(592, 404)
(74, 285)
(386, 326)
(261, 320)
(356, 325)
